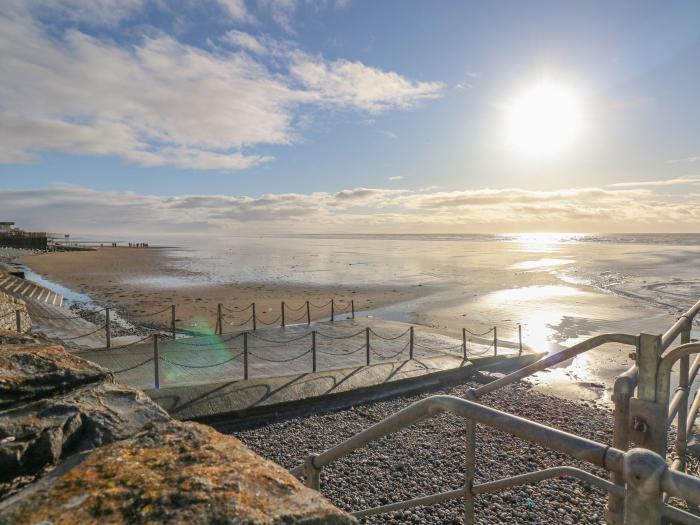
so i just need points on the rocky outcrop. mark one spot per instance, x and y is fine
(37, 372)
(42, 432)
(172, 473)
(105, 453)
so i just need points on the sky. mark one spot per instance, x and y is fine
(248, 116)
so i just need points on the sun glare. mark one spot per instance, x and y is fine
(544, 120)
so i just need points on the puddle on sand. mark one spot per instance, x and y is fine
(536, 264)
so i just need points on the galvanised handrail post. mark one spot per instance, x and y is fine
(623, 390)
(643, 471)
(312, 474)
(683, 387)
(469, 467)
(649, 410)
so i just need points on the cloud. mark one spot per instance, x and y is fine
(397, 177)
(345, 83)
(237, 10)
(91, 12)
(685, 159)
(160, 102)
(667, 182)
(80, 210)
(283, 11)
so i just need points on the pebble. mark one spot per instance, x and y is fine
(428, 458)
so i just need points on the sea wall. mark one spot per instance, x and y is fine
(73, 443)
(8, 306)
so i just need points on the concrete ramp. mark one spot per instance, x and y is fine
(234, 404)
(25, 289)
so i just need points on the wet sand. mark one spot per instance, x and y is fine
(139, 281)
(560, 293)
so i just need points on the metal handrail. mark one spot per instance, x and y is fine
(495, 486)
(683, 323)
(554, 359)
(637, 463)
(576, 446)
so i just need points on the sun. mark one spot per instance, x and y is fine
(544, 120)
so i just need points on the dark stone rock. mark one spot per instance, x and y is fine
(45, 431)
(171, 473)
(35, 372)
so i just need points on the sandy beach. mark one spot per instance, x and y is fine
(558, 290)
(138, 281)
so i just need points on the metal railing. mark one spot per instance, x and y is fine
(641, 481)
(645, 472)
(406, 344)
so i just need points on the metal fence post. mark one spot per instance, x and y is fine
(367, 343)
(18, 320)
(410, 344)
(352, 305)
(313, 350)
(681, 431)
(219, 319)
(469, 466)
(172, 320)
(622, 392)
(495, 341)
(648, 412)
(282, 314)
(255, 321)
(308, 313)
(643, 470)
(520, 339)
(245, 355)
(464, 343)
(332, 310)
(108, 331)
(156, 361)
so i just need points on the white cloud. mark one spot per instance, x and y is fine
(345, 83)
(666, 182)
(397, 177)
(162, 102)
(80, 210)
(685, 159)
(237, 10)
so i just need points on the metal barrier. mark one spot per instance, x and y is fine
(250, 352)
(645, 472)
(641, 481)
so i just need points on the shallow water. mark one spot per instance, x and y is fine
(559, 288)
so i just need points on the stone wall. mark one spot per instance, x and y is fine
(76, 447)
(8, 306)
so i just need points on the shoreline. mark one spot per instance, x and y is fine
(558, 308)
(136, 282)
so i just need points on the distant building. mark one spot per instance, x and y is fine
(12, 237)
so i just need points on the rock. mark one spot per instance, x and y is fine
(45, 431)
(171, 473)
(35, 372)
(10, 337)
